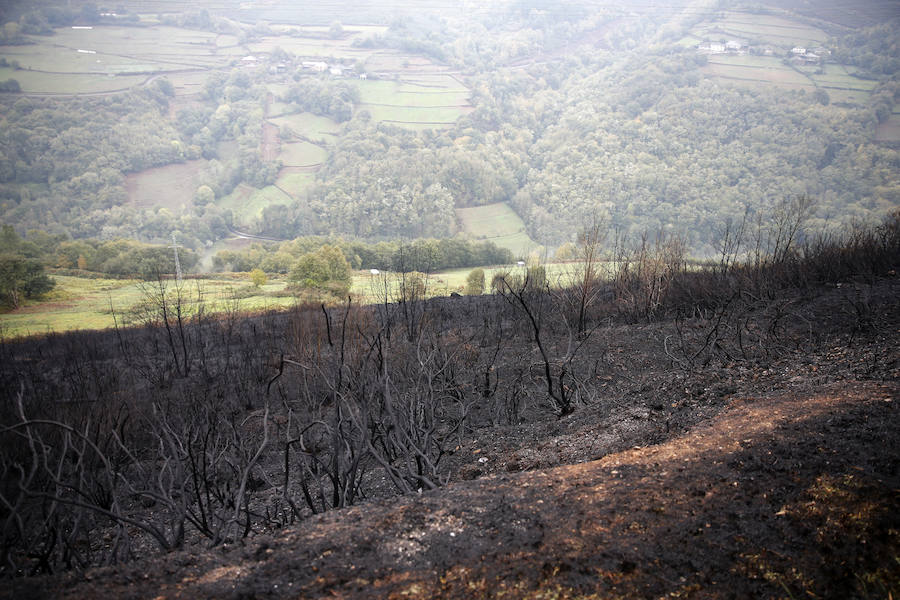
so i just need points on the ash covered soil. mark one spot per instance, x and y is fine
(774, 480)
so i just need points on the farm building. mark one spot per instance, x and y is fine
(318, 67)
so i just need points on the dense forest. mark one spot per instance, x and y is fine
(577, 115)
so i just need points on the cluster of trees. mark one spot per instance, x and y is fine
(324, 97)
(424, 255)
(120, 257)
(873, 50)
(325, 269)
(21, 272)
(62, 163)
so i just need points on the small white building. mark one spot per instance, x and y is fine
(732, 46)
(315, 66)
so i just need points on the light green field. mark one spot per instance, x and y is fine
(82, 304)
(224, 40)
(188, 83)
(836, 76)
(110, 58)
(411, 94)
(498, 223)
(758, 70)
(158, 46)
(302, 154)
(295, 183)
(67, 83)
(78, 303)
(309, 126)
(306, 47)
(762, 29)
(247, 203)
(403, 116)
(848, 96)
(389, 60)
(841, 86)
(436, 82)
(59, 59)
(171, 186)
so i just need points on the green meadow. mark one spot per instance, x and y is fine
(497, 223)
(307, 125)
(247, 203)
(84, 304)
(78, 303)
(301, 154)
(171, 186)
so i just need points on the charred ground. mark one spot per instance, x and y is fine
(721, 433)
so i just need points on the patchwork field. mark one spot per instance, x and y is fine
(36, 82)
(423, 101)
(837, 80)
(498, 223)
(762, 69)
(761, 29)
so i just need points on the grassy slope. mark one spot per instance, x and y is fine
(80, 303)
(498, 223)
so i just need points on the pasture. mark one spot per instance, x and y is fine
(497, 223)
(301, 154)
(761, 29)
(82, 303)
(294, 182)
(837, 80)
(247, 203)
(79, 303)
(172, 186)
(310, 48)
(760, 69)
(419, 102)
(37, 82)
(109, 59)
(308, 126)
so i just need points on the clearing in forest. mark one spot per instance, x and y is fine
(172, 186)
(497, 223)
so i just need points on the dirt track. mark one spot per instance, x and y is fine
(775, 497)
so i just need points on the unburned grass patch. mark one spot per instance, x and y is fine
(301, 154)
(81, 304)
(247, 203)
(763, 29)
(497, 223)
(415, 116)
(172, 186)
(764, 70)
(307, 125)
(35, 82)
(295, 182)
